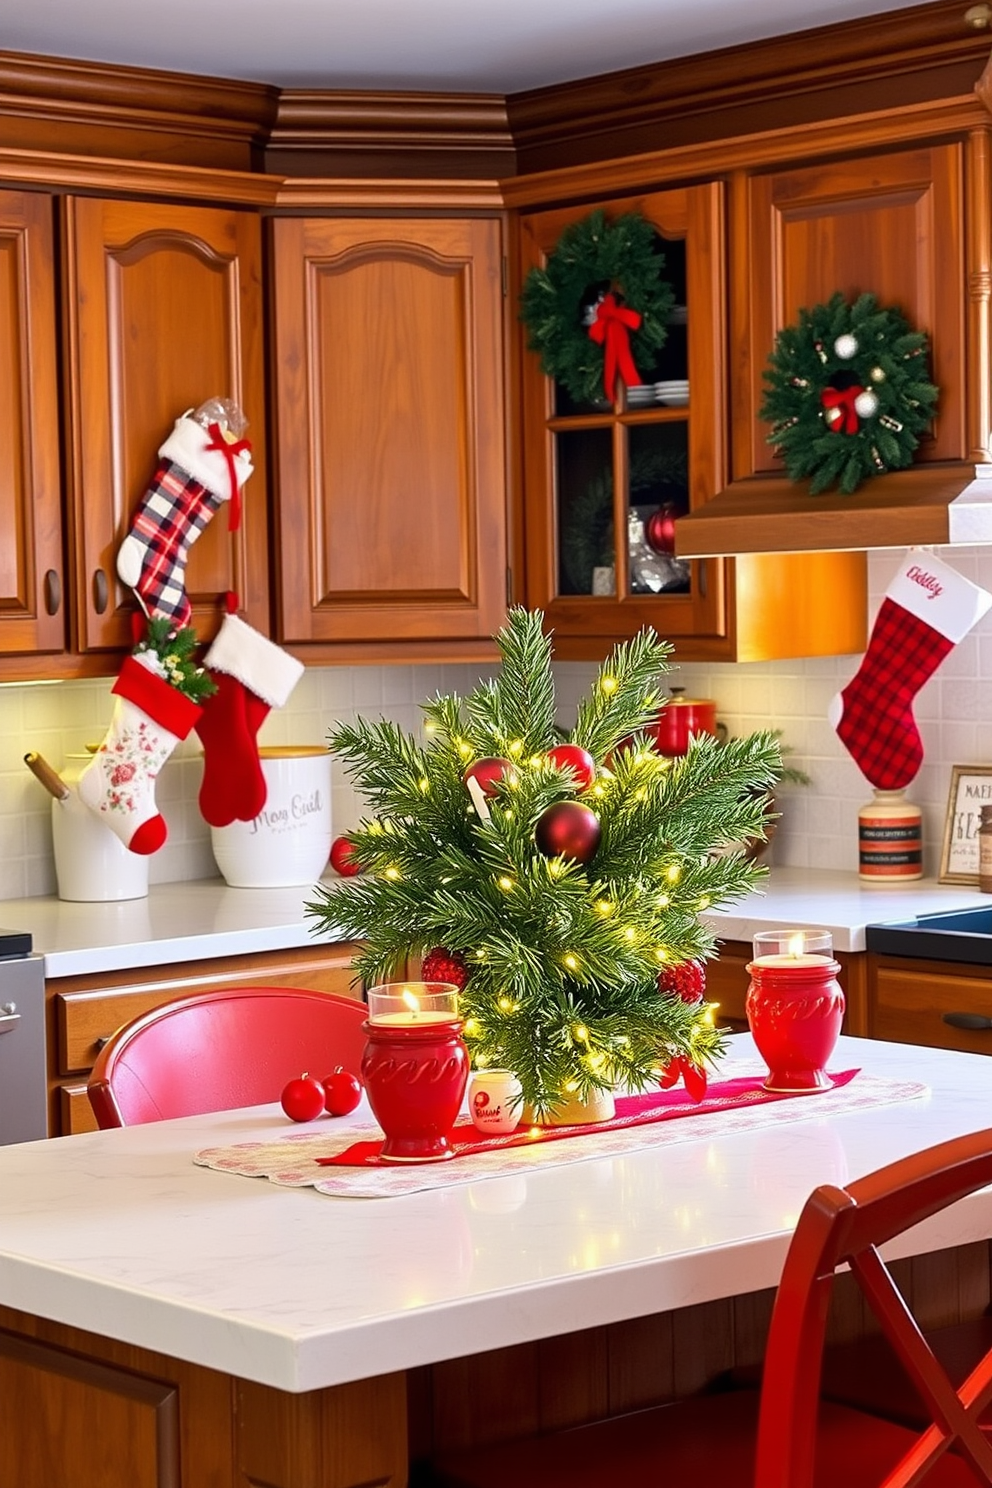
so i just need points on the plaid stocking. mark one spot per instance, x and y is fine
(150, 718)
(252, 675)
(198, 470)
(928, 608)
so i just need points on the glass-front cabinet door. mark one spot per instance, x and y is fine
(605, 479)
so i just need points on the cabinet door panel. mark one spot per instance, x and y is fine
(165, 312)
(890, 225)
(391, 464)
(31, 598)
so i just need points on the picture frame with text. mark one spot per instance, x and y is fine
(971, 789)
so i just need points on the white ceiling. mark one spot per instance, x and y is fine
(500, 46)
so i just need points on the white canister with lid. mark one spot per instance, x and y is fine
(288, 843)
(92, 865)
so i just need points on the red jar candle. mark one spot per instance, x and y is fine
(795, 1008)
(415, 1068)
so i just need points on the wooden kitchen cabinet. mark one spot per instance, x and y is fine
(164, 310)
(32, 589)
(910, 1000)
(589, 469)
(83, 1011)
(390, 461)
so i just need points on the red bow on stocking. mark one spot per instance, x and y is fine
(841, 400)
(611, 330)
(218, 442)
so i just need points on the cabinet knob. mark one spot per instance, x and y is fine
(53, 592)
(101, 591)
(975, 1022)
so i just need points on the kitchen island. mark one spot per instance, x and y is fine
(171, 1325)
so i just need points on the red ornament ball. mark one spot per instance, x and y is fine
(303, 1098)
(488, 772)
(687, 980)
(568, 830)
(342, 1092)
(343, 857)
(440, 965)
(578, 760)
(659, 530)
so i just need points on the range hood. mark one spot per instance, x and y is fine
(924, 506)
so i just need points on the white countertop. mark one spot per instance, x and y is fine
(191, 921)
(120, 1233)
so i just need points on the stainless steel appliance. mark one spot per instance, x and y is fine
(23, 1099)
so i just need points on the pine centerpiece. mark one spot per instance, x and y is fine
(555, 880)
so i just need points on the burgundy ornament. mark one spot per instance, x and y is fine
(579, 761)
(568, 830)
(488, 771)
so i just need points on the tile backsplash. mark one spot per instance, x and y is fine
(819, 822)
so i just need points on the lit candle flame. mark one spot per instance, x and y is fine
(796, 943)
(412, 1002)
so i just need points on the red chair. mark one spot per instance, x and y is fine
(236, 1047)
(787, 1437)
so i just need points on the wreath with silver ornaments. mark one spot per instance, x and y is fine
(848, 394)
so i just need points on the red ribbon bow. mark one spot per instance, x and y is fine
(843, 400)
(240, 446)
(611, 330)
(681, 1067)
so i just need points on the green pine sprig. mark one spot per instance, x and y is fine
(563, 957)
(175, 661)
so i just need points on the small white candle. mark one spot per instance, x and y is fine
(413, 1004)
(796, 949)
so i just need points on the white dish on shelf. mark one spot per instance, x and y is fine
(678, 315)
(641, 393)
(675, 397)
(672, 385)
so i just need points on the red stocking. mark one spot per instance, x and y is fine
(253, 675)
(928, 608)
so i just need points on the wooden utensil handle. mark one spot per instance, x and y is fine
(42, 770)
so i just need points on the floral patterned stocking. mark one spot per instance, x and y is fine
(150, 718)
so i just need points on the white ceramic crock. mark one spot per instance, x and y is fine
(288, 843)
(92, 865)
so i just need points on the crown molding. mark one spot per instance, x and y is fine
(344, 133)
(133, 112)
(309, 194)
(908, 56)
(146, 178)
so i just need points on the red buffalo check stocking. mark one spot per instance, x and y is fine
(928, 608)
(150, 718)
(252, 674)
(199, 468)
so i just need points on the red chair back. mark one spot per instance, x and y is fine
(844, 1227)
(221, 1050)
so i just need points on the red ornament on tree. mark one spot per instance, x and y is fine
(687, 980)
(440, 965)
(568, 830)
(578, 760)
(343, 858)
(488, 771)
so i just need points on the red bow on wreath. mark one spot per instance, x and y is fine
(841, 401)
(611, 330)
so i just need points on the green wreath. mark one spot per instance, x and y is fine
(847, 394)
(595, 258)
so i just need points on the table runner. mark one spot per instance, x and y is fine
(300, 1159)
